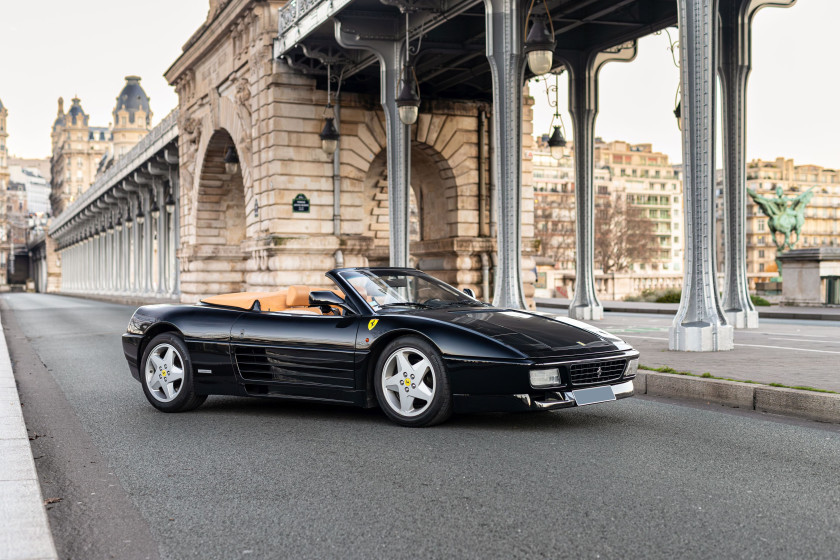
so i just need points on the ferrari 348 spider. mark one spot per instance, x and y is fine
(393, 337)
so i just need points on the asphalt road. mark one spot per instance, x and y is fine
(247, 478)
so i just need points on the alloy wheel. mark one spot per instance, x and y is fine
(164, 372)
(408, 382)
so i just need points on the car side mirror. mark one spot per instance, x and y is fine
(326, 298)
(469, 292)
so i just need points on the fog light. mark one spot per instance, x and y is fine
(632, 368)
(545, 377)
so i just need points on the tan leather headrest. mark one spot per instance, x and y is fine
(298, 296)
(274, 301)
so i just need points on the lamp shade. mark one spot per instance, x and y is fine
(556, 143)
(408, 102)
(231, 160)
(539, 45)
(329, 137)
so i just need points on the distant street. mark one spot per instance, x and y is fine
(247, 478)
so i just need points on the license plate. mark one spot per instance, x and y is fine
(593, 395)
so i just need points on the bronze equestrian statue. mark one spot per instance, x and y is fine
(785, 215)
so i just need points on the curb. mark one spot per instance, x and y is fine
(807, 405)
(25, 531)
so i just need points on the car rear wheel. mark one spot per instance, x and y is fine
(411, 383)
(167, 375)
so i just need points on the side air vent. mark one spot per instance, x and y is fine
(253, 363)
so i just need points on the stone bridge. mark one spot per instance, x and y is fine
(262, 197)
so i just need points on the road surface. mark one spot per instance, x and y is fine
(248, 478)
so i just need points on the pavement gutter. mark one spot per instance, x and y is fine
(807, 405)
(25, 531)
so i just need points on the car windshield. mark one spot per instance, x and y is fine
(390, 288)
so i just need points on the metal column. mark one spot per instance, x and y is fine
(735, 64)
(504, 22)
(391, 56)
(584, 67)
(700, 324)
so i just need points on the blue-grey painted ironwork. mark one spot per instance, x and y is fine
(507, 65)
(700, 324)
(357, 34)
(584, 67)
(735, 64)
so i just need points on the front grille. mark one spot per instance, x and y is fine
(591, 373)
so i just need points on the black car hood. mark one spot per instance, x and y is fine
(532, 334)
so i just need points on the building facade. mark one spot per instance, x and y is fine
(35, 186)
(4, 183)
(649, 182)
(80, 151)
(631, 174)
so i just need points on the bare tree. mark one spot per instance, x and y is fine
(623, 235)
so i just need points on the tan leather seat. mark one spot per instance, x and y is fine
(297, 300)
(242, 300)
(274, 301)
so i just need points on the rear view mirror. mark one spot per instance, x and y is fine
(469, 292)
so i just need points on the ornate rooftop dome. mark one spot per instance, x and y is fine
(131, 98)
(76, 113)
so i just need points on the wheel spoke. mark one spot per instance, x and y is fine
(157, 361)
(155, 382)
(168, 389)
(423, 391)
(406, 403)
(394, 383)
(421, 367)
(167, 358)
(403, 365)
(175, 374)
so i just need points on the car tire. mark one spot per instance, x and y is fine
(411, 383)
(165, 357)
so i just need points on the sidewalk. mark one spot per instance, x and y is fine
(803, 350)
(772, 312)
(24, 530)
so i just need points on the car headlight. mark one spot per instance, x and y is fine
(545, 377)
(632, 368)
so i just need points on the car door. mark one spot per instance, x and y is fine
(286, 354)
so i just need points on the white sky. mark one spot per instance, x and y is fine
(57, 48)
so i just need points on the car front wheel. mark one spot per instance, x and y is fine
(411, 383)
(167, 375)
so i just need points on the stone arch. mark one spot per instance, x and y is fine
(226, 117)
(433, 189)
(219, 225)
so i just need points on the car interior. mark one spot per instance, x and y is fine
(294, 299)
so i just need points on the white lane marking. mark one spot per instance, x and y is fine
(807, 340)
(750, 345)
(795, 334)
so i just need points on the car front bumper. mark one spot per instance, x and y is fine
(549, 400)
(131, 347)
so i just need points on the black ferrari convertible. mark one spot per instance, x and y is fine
(396, 337)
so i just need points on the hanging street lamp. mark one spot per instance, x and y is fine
(539, 42)
(231, 161)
